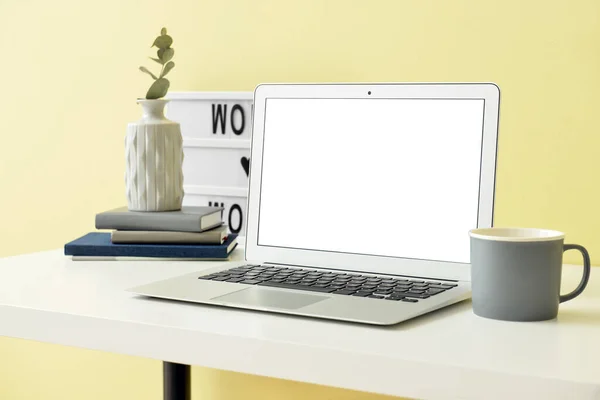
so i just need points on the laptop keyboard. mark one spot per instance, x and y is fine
(347, 284)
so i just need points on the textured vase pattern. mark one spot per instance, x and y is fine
(154, 157)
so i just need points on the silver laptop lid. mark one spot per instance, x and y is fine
(384, 178)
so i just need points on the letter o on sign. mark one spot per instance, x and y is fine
(233, 229)
(236, 130)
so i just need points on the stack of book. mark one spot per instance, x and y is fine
(192, 233)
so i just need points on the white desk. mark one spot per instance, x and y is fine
(449, 354)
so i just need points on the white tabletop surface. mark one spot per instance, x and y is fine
(449, 354)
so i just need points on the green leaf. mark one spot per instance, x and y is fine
(147, 71)
(163, 42)
(156, 59)
(166, 54)
(163, 31)
(158, 89)
(167, 68)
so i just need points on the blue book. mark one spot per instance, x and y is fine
(98, 244)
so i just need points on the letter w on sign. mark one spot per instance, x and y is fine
(219, 117)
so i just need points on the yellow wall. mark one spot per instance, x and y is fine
(69, 81)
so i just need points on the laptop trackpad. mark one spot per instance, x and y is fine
(262, 297)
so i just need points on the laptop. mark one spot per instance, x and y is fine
(360, 201)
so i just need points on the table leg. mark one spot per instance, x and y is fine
(176, 381)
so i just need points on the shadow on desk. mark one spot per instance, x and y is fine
(580, 316)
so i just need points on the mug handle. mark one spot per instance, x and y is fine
(586, 272)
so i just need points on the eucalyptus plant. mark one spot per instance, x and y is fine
(165, 53)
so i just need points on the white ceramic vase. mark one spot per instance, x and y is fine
(154, 157)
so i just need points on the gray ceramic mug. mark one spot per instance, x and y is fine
(516, 273)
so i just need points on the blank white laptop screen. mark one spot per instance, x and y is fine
(391, 177)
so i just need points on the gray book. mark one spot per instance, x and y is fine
(213, 236)
(188, 219)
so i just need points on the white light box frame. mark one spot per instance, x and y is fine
(216, 129)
